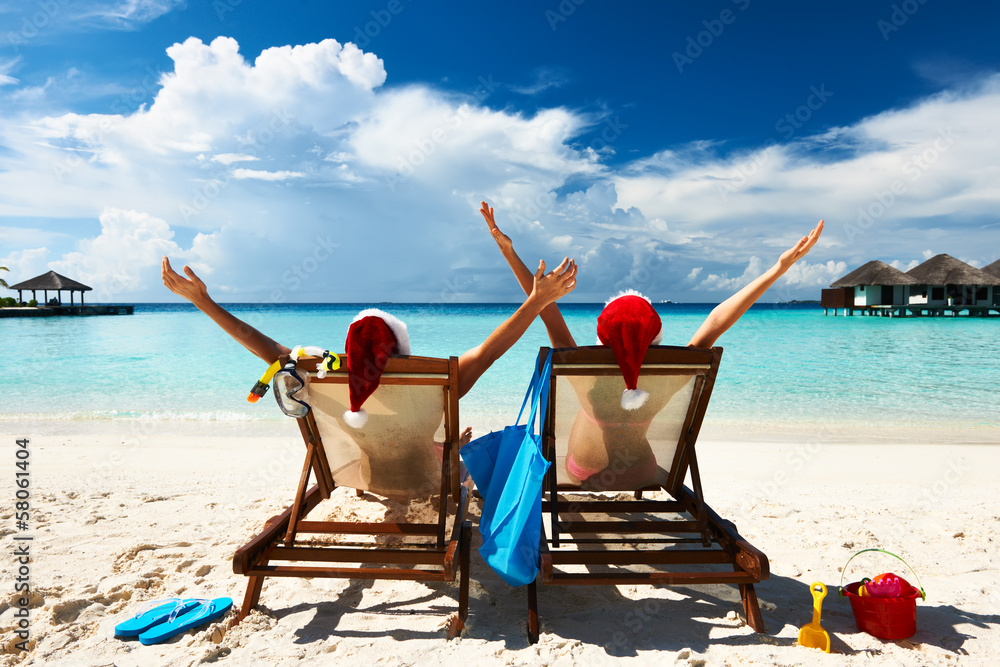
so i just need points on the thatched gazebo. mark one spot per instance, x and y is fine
(51, 282)
(947, 277)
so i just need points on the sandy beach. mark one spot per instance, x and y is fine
(123, 517)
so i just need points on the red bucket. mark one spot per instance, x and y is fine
(885, 618)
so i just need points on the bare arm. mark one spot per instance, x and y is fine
(546, 288)
(193, 289)
(555, 325)
(732, 309)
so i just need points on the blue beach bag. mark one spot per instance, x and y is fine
(508, 467)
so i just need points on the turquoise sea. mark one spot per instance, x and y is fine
(783, 365)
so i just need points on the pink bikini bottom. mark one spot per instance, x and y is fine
(607, 478)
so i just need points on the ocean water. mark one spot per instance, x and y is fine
(782, 365)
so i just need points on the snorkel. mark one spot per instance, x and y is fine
(330, 362)
(260, 388)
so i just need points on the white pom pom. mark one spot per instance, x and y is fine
(633, 399)
(356, 419)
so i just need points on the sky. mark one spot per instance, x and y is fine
(311, 151)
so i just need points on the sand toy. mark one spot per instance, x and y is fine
(812, 635)
(886, 606)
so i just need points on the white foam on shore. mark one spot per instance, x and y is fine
(228, 423)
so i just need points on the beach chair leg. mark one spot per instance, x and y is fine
(465, 546)
(751, 608)
(252, 596)
(533, 612)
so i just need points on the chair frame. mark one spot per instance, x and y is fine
(710, 540)
(282, 536)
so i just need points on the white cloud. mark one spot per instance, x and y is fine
(214, 95)
(904, 266)
(37, 20)
(416, 134)
(544, 79)
(344, 174)
(230, 158)
(565, 241)
(124, 257)
(126, 14)
(802, 274)
(266, 175)
(24, 264)
(714, 282)
(874, 182)
(337, 156)
(805, 274)
(6, 67)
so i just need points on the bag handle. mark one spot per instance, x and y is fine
(923, 595)
(529, 394)
(540, 383)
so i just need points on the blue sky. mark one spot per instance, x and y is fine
(316, 151)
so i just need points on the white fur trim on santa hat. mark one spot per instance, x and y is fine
(627, 292)
(633, 399)
(631, 292)
(396, 325)
(356, 419)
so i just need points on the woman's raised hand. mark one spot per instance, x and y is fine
(549, 287)
(799, 250)
(502, 239)
(191, 288)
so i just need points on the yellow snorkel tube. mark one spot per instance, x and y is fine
(260, 388)
(330, 362)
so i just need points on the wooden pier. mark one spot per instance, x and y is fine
(55, 311)
(917, 310)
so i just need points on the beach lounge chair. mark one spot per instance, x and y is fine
(397, 454)
(592, 535)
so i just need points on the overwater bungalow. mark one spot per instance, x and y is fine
(942, 285)
(872, 284)
(952, 282)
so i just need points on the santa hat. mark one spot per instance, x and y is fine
(373, 336)
(629, 325)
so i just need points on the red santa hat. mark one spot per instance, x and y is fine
(629, 325)
(372, 338)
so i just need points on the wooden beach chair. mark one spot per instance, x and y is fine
(397, 454)
(593, 537)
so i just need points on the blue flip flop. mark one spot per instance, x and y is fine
(203, 612)
(153, 613)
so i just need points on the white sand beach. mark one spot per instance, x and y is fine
(123, 518)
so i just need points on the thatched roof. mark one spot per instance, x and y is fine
(875, 273)
(992, 269)
(51, 281)
(946, 270)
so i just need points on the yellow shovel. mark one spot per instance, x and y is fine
(813, 635)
